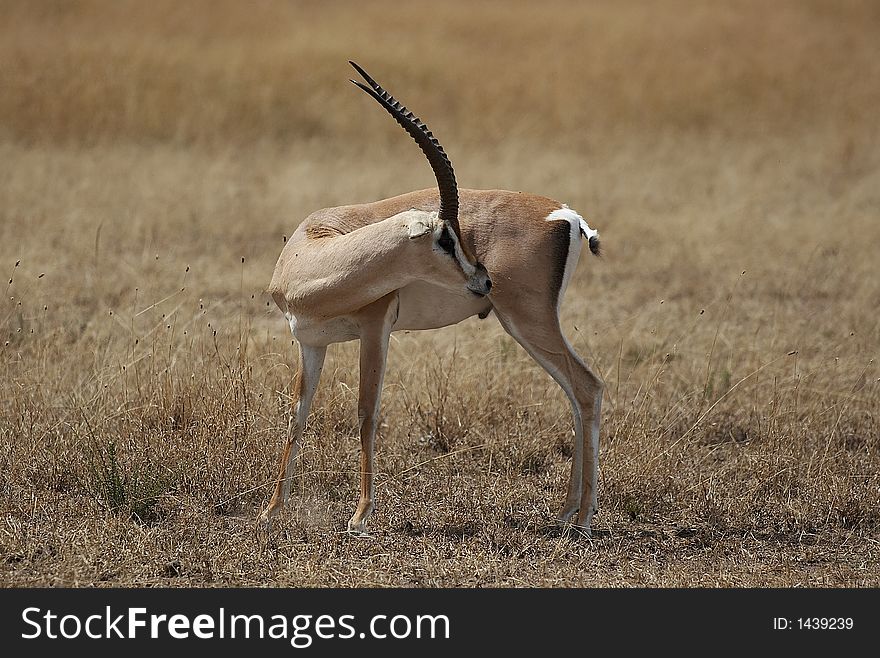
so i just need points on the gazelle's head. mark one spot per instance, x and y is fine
(448, 242)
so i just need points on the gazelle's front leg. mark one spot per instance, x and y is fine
(376, 321)
(305, 384)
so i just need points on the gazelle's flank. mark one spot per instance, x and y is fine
(424, 260)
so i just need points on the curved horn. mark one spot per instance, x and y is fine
(427, 142)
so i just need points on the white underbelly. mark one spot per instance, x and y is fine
(420, 306)
(424, 306)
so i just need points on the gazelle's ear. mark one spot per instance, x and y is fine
(418, 228)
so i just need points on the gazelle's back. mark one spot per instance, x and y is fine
(508, 231)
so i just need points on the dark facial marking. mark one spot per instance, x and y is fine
(445, 242)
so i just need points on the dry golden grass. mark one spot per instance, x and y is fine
(729, 155)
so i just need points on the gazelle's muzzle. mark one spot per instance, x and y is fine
(479, 282)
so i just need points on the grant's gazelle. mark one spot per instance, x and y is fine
(424, 260)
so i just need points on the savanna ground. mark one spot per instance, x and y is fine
(154, 154)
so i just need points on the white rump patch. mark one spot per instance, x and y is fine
(579, 226)
(571, 216)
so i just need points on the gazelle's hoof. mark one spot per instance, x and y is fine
(567, 519)
(359, 534)
(263, 527)
(583, 531)
(567, 514)
(358, 530)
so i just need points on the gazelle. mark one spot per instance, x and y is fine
(424, 260)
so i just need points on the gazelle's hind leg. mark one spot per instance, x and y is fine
(305, 383)
(541, 336)
(375, 322)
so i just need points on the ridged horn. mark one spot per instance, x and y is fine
(427, 142)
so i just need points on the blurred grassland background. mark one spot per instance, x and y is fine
(154, 154)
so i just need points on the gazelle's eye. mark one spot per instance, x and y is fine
(445, 242)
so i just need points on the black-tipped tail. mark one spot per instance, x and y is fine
(595, 247)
